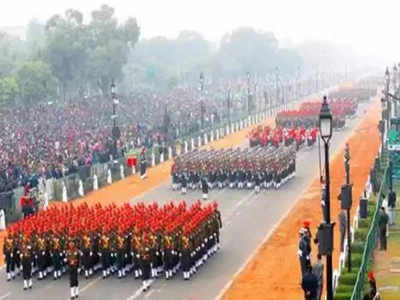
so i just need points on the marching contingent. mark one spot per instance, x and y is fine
(288, 136)
(251, 168)
(146, 240)
(308, 112)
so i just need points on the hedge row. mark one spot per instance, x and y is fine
(347, 279)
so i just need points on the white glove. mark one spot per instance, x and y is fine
(300, 253)
(100, 254)
(91, 253)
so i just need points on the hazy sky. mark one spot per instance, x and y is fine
(371, 27)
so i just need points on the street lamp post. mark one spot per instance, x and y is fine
(265, 101)
(382, 123)
(394, 77)
(116, 134)
(297, 93)
(201, 100)
(325, 127)
(248, 93)
(388, 104)
(229, 104)
(347, 169)
(277, 101)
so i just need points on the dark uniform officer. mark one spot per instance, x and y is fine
(304, 251)
(143, 164)
(73, 263)
(41, 257)
(136, 242)
(204, 187)
(56, 256)
(145, 259)
(27, 259)
(8, 249)
(105, 255)
(186, 255)
(121, 254)
(86, 252)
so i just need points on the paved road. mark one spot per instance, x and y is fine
(247, 219)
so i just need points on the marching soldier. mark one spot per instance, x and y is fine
(145, 261)
(175, 177)
(183, 183)
(86, 254)
(73, 263)
(136, 244)
(232, 178)
(222, 177)
(168, 259)
(41, 256)
(241, 177)
(27, 260)
(249, 178)
(56, 256)
(105, 254)
(186, 254)
(258, 179)
(204, 187)
(17, 253)
(157, 262)
(8, 251)
(121, 254)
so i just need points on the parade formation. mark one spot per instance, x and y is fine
(307, 114)
(251, 168)
(148, 241)
(265, 136)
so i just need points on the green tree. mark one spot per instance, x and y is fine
(9, 90)
(12, 53)
(253, 51)
(36, 82)
(35, 39)
(110, 44)
(67, 49)
(158, 59)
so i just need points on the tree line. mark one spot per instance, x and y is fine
(70, 57)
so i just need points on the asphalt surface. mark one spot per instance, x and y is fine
(247, 220)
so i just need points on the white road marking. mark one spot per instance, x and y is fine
(257, 249)
(90, 284)
(5, 296)
(149, 293)
(138, 292)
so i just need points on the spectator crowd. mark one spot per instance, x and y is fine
(53, 139)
